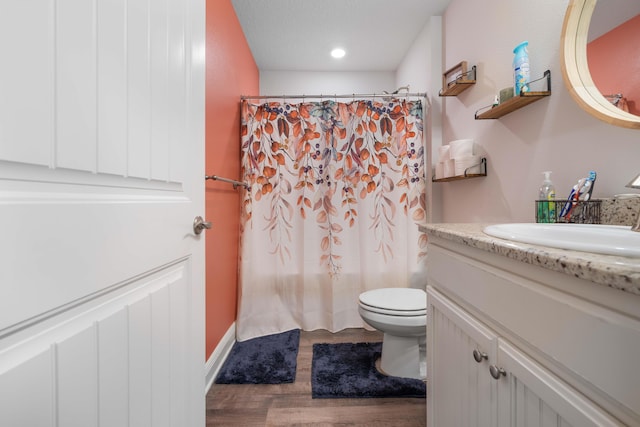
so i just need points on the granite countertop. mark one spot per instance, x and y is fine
(616, 272)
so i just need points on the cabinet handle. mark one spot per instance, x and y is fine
(497, 372)
(479, 356)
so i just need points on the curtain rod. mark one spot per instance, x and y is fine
(230, 181)
(329, 97)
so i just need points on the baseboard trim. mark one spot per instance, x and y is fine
(218, 356)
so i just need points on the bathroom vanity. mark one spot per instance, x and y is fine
(526, 335)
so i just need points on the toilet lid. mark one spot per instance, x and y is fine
(395, 301)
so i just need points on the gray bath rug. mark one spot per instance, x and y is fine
(264, 360)
(348, 370)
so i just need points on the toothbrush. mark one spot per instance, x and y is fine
(580, 192)
(587, 189)
(572, 200)
(585, 192)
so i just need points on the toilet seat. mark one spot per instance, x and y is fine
(395, 301)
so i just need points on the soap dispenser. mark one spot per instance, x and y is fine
(546, 200)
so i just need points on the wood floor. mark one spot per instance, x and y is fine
(292, 405)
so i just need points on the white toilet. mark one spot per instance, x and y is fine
(401, 313)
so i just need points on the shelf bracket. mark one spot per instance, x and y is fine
(462, 79)
(483, 168)
(546, 76)
(466, 175)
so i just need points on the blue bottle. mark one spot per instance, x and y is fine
(521, 70)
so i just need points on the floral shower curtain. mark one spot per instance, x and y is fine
(337, 191)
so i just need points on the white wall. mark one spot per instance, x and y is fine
(325, 82)
(551, 134)
(421, 69)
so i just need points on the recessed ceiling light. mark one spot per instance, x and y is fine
(338, 52)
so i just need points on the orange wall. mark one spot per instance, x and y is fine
(614, 59)
(230, 72)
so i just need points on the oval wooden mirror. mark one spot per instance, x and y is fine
(575, 69)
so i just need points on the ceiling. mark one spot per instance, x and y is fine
(608, 15)
(298, 35)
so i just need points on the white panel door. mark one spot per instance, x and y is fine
(101, 176)
(460, 390)
(530, 396)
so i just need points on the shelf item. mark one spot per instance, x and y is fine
(483, 172)
(517, 102)
(457, 79)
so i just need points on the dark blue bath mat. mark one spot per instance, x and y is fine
(264, 360)
(348, 370)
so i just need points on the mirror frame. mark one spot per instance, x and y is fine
(575, 69)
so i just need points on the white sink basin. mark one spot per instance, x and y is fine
(600, 239)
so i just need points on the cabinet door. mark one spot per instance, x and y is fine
(460, 391)
(529, 395)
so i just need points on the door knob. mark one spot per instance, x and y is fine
(200, 224)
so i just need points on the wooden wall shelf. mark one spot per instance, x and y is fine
(483, 168)
(457, 79)
(517, 102)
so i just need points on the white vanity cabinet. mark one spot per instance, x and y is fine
(512, 344)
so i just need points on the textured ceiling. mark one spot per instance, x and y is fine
(299, 34)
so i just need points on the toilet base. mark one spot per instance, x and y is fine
(404, 356)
